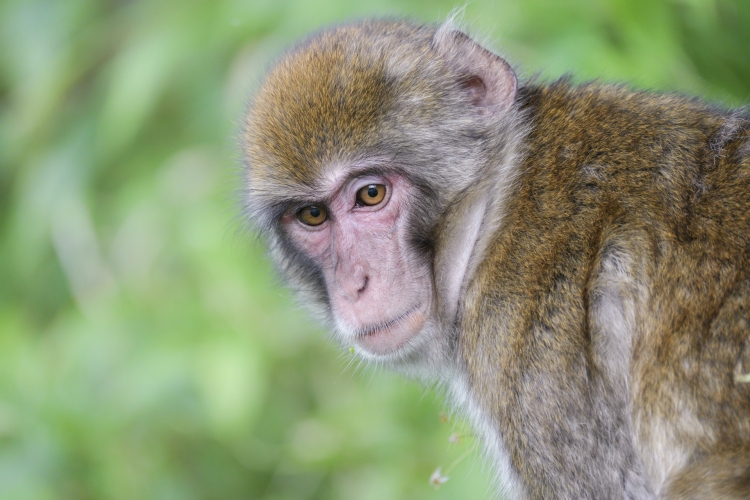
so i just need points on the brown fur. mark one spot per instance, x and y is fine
(604, 319)
(660, 179)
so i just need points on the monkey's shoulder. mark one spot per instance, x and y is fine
(616, 123)
(598, 155)
(619, 104)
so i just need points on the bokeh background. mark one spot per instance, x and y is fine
(146, 350)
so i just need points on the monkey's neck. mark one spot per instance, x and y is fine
(473, 218)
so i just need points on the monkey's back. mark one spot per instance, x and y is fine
(621, 277)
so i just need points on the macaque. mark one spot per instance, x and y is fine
(571, 262)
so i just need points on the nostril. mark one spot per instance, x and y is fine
(364, 284)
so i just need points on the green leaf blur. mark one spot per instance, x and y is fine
(146, 350)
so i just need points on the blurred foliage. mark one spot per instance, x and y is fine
(145, 349)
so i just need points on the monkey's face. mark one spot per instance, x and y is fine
(379, 290)
(364, 149)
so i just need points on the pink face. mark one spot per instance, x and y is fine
(380, 291)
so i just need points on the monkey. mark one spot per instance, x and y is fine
(571, 262)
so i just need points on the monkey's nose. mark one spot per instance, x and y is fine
(353, 284)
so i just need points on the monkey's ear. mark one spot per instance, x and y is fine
(488, 79)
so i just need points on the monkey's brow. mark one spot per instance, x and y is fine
(308, 196)
(287, 205)
(378, 169)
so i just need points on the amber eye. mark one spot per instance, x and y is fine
(370, 195)
(312, 215)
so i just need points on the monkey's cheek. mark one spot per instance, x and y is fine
(392, 338)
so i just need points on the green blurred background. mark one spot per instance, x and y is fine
(146, 350)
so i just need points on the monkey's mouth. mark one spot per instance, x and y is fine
(389, 336)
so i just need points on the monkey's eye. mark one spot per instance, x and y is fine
(370, 195)
(312, 215)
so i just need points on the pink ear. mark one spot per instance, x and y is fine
(489, 80)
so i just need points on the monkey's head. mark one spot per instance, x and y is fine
(364, 149)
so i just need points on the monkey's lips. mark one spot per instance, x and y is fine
(389, 336)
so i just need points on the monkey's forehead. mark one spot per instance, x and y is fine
(326, 99)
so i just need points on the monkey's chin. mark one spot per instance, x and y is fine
(391, 336)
